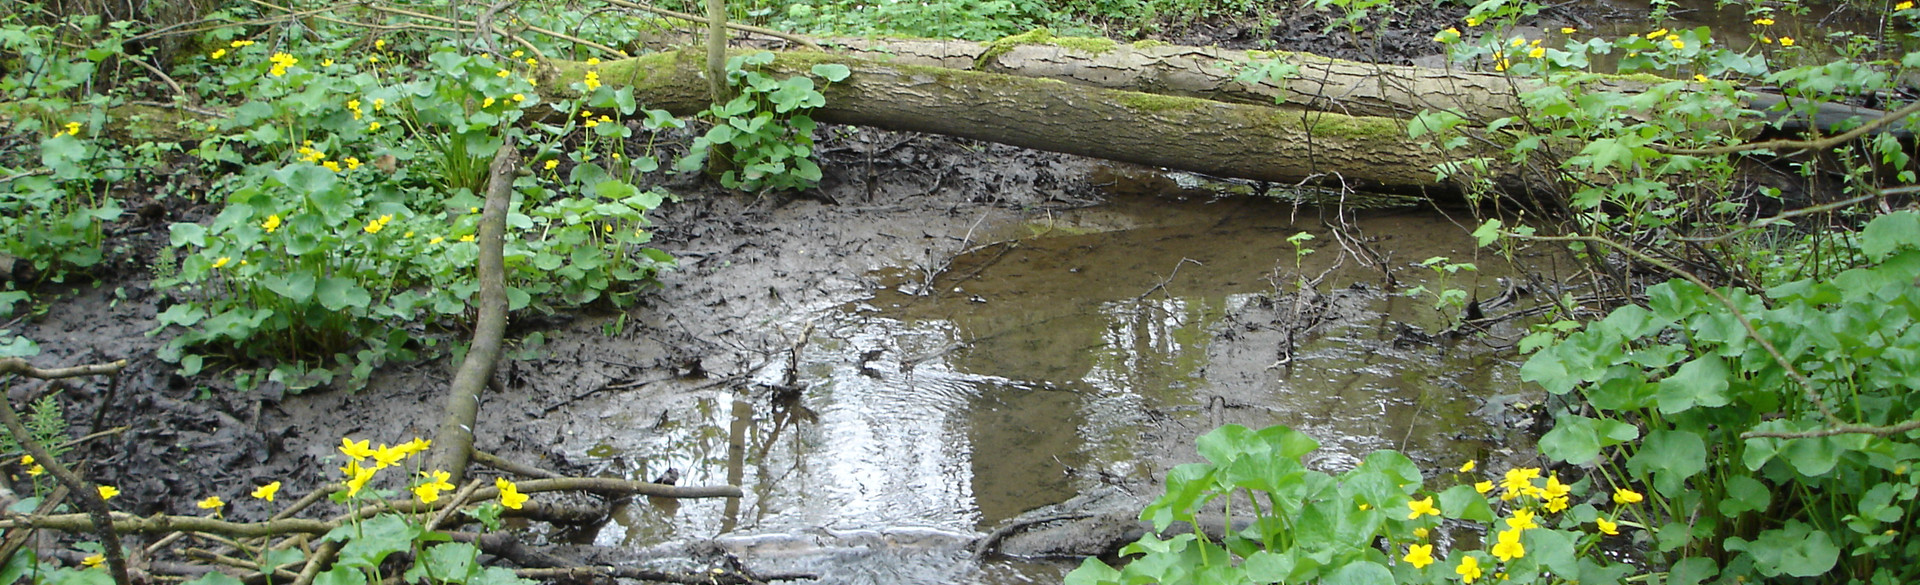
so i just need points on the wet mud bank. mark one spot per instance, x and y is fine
(947, 339)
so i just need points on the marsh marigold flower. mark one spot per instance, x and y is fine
(1627, 496)
(1656, 34)
(218, 53)
(1522, 520)
(272, 223)
(1508, 548)
(1537, 53)
(1418, 508)
(1473, 21)
(359, 451)
(1903, 6)
(238, 44)
(222, 261)
(1483, 487)
(1419, 555)
(1567, 30)
(1469, 569)
(107, 492)
(1607, 527)
(1763, 22)
(73, 128)
(510, 495)
(429, 491)
(211, 503)
(592, 81)
(93, 560)
(1469, 465)
(1786, 41)
(552, 163)
(466, 238)
(266, 492)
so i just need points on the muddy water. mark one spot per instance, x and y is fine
(1070, 352)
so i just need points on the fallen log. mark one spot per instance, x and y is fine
(1225, 139)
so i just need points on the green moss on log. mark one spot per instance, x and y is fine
(1043, 36)
(1153, 102)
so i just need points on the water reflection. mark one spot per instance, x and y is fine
(1092, 351)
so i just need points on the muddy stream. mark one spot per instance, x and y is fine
(1065, 353)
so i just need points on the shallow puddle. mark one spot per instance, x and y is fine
(1079, 349)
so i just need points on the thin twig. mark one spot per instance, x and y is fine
(1819, 144)
(796, 39)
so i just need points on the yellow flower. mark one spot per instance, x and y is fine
(592, 123)
(107, 492)
(487, 103)
(1567, 30)
(519, 97)
(1509, 548)
(1518, 481)
(359, 451)
(373, 59)
(429, 491)
(1763, 21)
(605, 118)
(1903, 6)
(374, 127)
(473, 210)
(1678, 44)
(36, 471)
(222, 261)
(1556, 505)
(1365, 506)
(272, 223)
(379, 104)
(586, 113)
(379, 43)
(409, 234)
(1469, 466)
(326, 63)
(26, 460)
(331, 166)
(1483, 487)
(1517, 41)
(436, 240)
(1537, 53)
(360, 477)
(266, 492)
(1473, 21)
(73, 128)
(352, 163)
(1766, 39)
(374, 227)
(593, 60)
(552, 163)
(93, 560)
(1626, 496)
(1419, 555)
(510, 495)
(1607, 526)
(1656, 34)
(417, 445)
(1469, 569)
(592, 81)
(218, 53)
(531, 62)
(1418, 508)
(238, 44)
(1521, 520)
(385, 456)
(1555, 489)
(211, 503)
(502, 74)
(466, 238)
(1786, 41)
(518, 54)
(607, 228)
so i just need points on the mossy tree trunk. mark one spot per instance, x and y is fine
(1214, 137)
